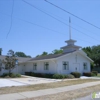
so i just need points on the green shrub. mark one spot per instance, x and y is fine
(76, 74)
(18, 75)
(4, 75)
(70, 76)
(95, 72)
(48, 75)
(89, 74)
(28, 73)
(58, 76)
(12, 75)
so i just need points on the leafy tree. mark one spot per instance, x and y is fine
(21, 54)
(57, 51)
(0, 51)
(94, 53)
(10, 61)
(44, 53)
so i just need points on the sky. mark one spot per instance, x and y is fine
(34, 32)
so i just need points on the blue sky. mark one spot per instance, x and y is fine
(32, 39)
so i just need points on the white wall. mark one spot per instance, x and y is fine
(40, 67)
(72, 60)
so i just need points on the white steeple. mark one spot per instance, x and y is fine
(69, 28)
(70, 43)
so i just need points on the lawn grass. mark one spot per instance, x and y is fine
(6, 90)
(70, 95)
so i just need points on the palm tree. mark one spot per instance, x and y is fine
(0, 51)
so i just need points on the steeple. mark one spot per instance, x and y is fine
(69, 28)
(70, 43)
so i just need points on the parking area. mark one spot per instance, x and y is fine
(25, 81)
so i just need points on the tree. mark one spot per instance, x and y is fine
(94, 53)
(57, 51)
(0, 51)
(21, 54)
(44, 53)
(10, 61)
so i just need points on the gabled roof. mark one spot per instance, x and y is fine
(20, 59)
(51, 56)
(57, 56)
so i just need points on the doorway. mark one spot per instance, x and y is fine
(76, 67)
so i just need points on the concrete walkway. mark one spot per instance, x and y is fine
(30, 94)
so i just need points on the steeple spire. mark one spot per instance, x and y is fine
(69, 28)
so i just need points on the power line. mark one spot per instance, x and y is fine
(72, 14)
(11, 20)
(42, 26)
(57, 19)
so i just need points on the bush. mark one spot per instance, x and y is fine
(76, 74)
(18, 75)
(12, 75)
(48, 75)
(89, 74)
(28, 73)
(59, 76)
(70, 76)
(4, 75)
(95, 72)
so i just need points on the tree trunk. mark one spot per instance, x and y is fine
(9, 71)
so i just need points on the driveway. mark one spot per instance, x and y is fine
(8, 82)
(35, 80)
(25, 81)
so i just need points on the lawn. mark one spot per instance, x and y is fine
(7, 90)
(70, 95)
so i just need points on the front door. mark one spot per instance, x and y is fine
(76, 67)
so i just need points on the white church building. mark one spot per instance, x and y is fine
(71, 60)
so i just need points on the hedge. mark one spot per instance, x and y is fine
(89, 74)
(76, 74)
(95, 72)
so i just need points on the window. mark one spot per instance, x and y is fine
(65, 65)
(34, 66)
(85, 66)
(46, 66)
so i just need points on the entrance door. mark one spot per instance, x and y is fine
(76, 67)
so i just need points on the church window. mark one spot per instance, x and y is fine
(65, 65)
(46, 65)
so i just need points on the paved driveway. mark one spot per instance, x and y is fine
(25, 81)
(34, 80)
(8, 82)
